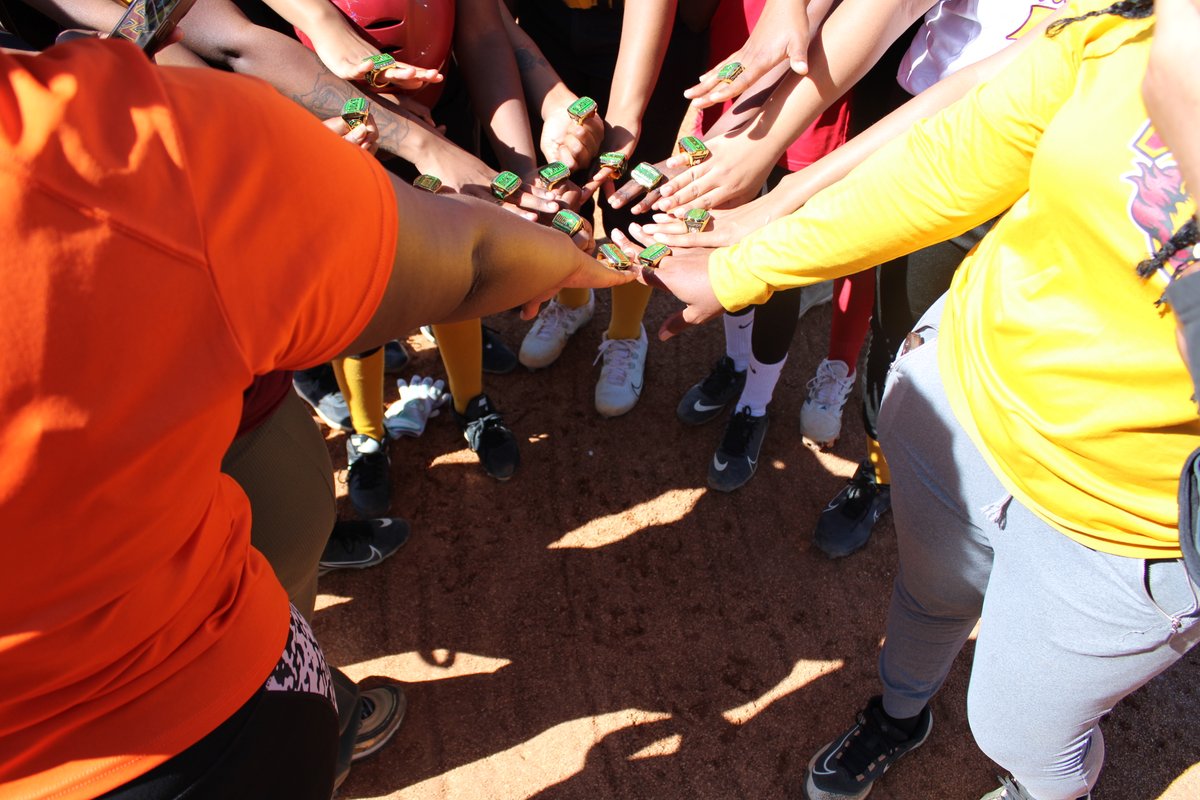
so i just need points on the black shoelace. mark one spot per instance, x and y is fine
(722, 378)
(875, 737)
(738, 434)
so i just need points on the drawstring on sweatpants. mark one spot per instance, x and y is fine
(997, 512)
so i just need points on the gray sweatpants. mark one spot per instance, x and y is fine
(1065, 631)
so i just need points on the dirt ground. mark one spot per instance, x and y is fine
(604, 626)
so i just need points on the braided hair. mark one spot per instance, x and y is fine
(1129, 9)
(1187, 235)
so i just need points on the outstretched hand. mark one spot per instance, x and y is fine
(684, 274)
(781, 34)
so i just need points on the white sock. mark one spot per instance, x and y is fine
(760, 386)
(737, 338)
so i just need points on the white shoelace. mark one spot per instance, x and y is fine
(618, 355)
(828, 389)
(552, 319)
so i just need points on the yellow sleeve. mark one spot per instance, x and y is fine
(948, 174)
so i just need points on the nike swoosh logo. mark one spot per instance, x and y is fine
(747, 325)
(383, 522)
(719, 465)
(703, 407)
(637, 388)
(823, 768)
(375, 556)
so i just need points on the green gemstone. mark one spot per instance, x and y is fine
(382, 61)
(504, 184)
(568, 222)
(730, 71)
(553, 172)
(654, 254)
(355, 105)
(615, 256)
(581, 109)
(697, 219)
(647, 175)
(430, 183)
(614, 161)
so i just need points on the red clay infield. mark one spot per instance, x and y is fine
(604, 626)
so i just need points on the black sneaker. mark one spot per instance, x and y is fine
(846, 768)
(498, 359)
(382, 709)
(369, 484)
(319, 389)
(489, 438)
(708, 398)
(737, 457)
(358, 544)
(845, 524)
(395, 357)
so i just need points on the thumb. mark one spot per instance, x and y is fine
(797, 52)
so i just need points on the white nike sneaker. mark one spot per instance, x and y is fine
(554, 325)
(821, 414)
(621, 377)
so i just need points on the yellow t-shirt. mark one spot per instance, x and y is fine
(1056, 360)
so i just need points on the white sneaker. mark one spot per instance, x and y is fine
(554, 325)
(621, 377)
(821, 414)
(816, 295)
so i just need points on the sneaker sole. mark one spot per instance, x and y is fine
(814, 444)
(375, 740)
(809, 788)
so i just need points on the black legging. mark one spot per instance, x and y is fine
(277, 745)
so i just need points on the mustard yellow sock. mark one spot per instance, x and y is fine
(461, 346)
(628, 307)
(361, 382)
(883, 476)
(574, 298)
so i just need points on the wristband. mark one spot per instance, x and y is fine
(429, 183)
(615, 162)
(730, 71)
(568, 222)
(653, 254)
(354, 112)
(505, 185)
(694, 150)
(614, 257)
(379, 63)
(552, 174)
(647, 175)
(697, 220)
(582, 109)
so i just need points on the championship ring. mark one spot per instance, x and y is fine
(505, 184)
(582, 109)
(552, 174)
(647, 175)
(653, 254)
(354, 113)
(568, 222)
(616, 163)
(379, 63)
(694, 150)
(429, 183)
(730, 71)
(697, 220)
(614, 257)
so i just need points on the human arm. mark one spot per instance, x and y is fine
(959, 168)
(341, 48)
(1171, 88)
(782, 35)
(730, 226)
(563, 139)
(645, 33)
(852, 39)
(485, 54)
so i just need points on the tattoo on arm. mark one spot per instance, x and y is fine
(528, 60)
(329, 93)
